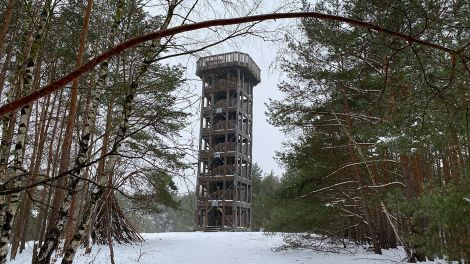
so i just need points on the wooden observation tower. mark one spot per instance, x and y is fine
(223, 188)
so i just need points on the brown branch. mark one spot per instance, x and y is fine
(326, 188)
(58, 84)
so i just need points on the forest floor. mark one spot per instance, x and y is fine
(223, 247)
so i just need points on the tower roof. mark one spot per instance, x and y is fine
(211, 64)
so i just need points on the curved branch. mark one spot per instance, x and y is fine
(58, 84)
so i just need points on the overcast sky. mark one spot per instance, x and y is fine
(266, 138)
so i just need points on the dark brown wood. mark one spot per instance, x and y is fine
(223, 188)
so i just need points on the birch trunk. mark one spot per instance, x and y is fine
(68, 135)
(21, 215)
(87, 174)
(97, 192)
(19, 225)
(18, 153)
(6, 65)
(52, 238)
(27, 204)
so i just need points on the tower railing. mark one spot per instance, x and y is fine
(229, 59)
(230, 103)
(224, 170)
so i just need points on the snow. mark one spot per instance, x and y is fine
(386, 140)
(221, 247)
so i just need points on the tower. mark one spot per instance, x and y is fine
(223, 188)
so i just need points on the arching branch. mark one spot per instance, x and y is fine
(58, 84)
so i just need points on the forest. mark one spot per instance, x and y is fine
(375, 111)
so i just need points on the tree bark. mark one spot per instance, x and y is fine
(360, 182)
(21, 217)
(51, 165)
(35, 171)
(6, 65)
(72, 114)
(5, 25)
(52, 237)
(19, 149)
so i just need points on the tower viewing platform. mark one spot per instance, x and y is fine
(230, 60)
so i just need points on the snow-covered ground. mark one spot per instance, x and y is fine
(222, 247)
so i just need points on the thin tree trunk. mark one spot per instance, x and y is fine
(19, 150)
(360, 182)
(19, 227)
(5, 25)
(109, 213)
(73, 113)
(5, 67)
(52, 238)
(35, 171)
(86, 187)
(51, 164)
(114, 154)
(26, 201)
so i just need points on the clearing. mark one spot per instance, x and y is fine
(221, 247)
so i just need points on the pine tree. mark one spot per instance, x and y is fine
(386, 112)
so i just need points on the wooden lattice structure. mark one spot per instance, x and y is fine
(223, 188)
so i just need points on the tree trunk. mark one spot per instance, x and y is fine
(19, 150)
(5, 67)
(6, 24)
(19, 227)
(23, 218)
(52, 238)
(35, 171)
(360, 182)
(51, 169)
(72, 114)
(114, 154)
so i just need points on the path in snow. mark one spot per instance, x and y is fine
(219, 248)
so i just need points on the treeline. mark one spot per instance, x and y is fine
(382, 154)
(64, 159)
(177, 217)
